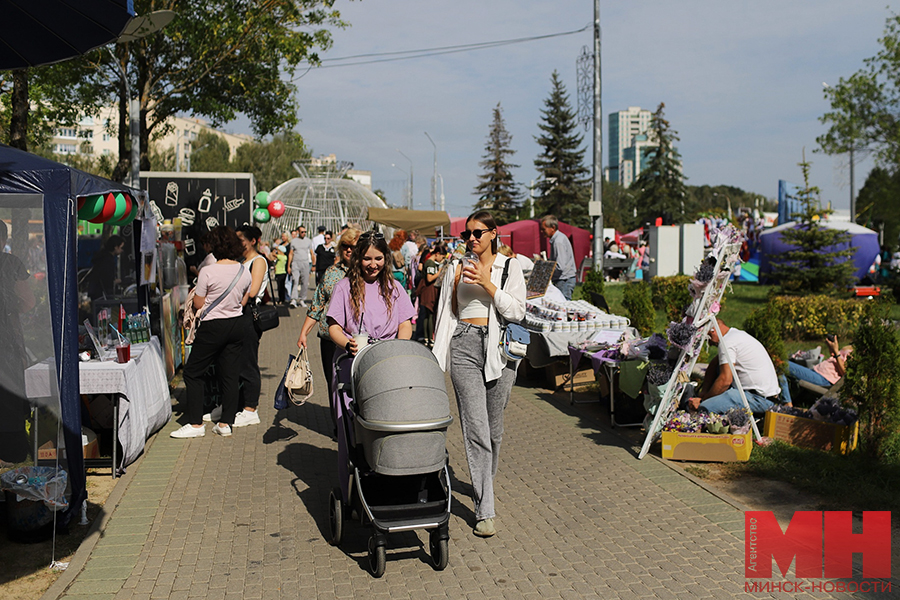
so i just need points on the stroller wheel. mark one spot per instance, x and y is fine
(335, 516)
(376, 557)
(440, 551)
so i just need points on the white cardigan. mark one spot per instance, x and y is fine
(508, 302)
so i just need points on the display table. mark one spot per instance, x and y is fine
(549, 346)
(142, 397)
(610, 367)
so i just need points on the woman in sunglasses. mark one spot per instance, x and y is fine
(474, 300)
(316, 312)
(369, 299)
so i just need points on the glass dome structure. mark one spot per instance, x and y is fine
(321, 195)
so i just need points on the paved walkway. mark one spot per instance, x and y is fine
(578, 517)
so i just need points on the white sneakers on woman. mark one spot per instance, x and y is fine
(188, 431)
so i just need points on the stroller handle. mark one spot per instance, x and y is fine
(404, 427)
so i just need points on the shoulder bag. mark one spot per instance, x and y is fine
(192, 318)
(298, 381)
(514, 338)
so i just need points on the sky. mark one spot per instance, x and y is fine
(742, 83)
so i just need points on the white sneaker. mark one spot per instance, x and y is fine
(214, 415)
(188, 431)
(293, 304)
(223, 431)
(246, 417)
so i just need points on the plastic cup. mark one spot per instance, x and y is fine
(123, 352)
(362, 340)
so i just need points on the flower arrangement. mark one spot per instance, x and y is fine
(681, 334)
(825, 409)
(659, 373)
(736, 421)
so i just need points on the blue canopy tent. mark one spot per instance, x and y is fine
(40, 196)
(40, 32)
(862, 239)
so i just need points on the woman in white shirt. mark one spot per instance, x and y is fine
(474, 300)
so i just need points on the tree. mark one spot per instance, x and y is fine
(863, 111)
(270, 162)
(564, 187)
(497, 190)
(210, 153)
(662, 192)
(878, 203)
(813, 265)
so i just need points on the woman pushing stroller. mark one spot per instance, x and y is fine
(475, 297)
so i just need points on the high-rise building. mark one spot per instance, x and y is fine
(624, 127)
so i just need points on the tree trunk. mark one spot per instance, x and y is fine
(18, 122)
(120, 173)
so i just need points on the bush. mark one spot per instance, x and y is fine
(764, 324)
(671, 295)
(812, 317)
(636, 300)
(872, 382)
(593, 284)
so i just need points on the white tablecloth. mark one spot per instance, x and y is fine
(144, 402)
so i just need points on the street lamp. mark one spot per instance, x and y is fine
(410, 178)
(434, 176)
(408, 201)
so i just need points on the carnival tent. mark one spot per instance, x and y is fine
(41, 196)
(402, 218)
(863, 239)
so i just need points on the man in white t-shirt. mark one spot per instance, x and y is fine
(741, 353)
(319, 239)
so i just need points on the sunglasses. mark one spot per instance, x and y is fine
(371, 235)
(348, 246)
(465, 235)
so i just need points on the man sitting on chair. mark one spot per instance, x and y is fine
(749, 359)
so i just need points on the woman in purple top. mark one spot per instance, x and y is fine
(220, 337)
(369, 298)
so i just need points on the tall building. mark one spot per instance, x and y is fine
(624, 127)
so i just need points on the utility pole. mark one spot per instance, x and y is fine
(434, 175)
(596, 206)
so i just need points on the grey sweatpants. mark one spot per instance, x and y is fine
(300, 278)
(481, 408)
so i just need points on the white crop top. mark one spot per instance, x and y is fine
(473, 300)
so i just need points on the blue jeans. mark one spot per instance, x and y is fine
(731, 398)
(803, 374)
(566, 286)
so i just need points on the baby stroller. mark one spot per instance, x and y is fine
(393, 412)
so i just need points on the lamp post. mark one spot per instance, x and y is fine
(434, 176)
(410, 178)
(408, 201)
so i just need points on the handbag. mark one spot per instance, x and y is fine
(298, 381)
(514, 338)
(192, 318)
(265, 317)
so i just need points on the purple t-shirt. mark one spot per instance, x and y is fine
(377, 322)
(215, 279)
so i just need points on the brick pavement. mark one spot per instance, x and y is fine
(578, 516)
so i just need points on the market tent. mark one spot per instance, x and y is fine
(402, 218)
(40, 193)
(457, 225)
(525, 238)
(632, 238)
(47, 31)
(863, 239)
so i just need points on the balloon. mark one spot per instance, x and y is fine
(91, 207)
(261, 215)
(135, 208)
(123, 207)
(276, 208)
(109, 209)
(126, 209)
(81, 202)
(262, 199)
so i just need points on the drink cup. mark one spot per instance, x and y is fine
(123, 351)
(362, 340)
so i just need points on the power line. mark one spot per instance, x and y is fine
(379, 57)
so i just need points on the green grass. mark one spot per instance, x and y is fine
(852, 482)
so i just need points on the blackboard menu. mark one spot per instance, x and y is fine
(540, 278)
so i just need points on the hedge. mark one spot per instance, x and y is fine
(812, 317)
(670, 294)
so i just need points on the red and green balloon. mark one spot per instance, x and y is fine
(115, 208)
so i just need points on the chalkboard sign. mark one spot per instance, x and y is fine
(540, 278)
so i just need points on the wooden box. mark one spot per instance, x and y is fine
(809, 433)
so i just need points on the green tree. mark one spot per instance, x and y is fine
(863, 111)
(210, 153)
(662, 192)
(564, 187)
(878, 203)
(636, 299)
(497, 191)
(813, 265)
(270, 162)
